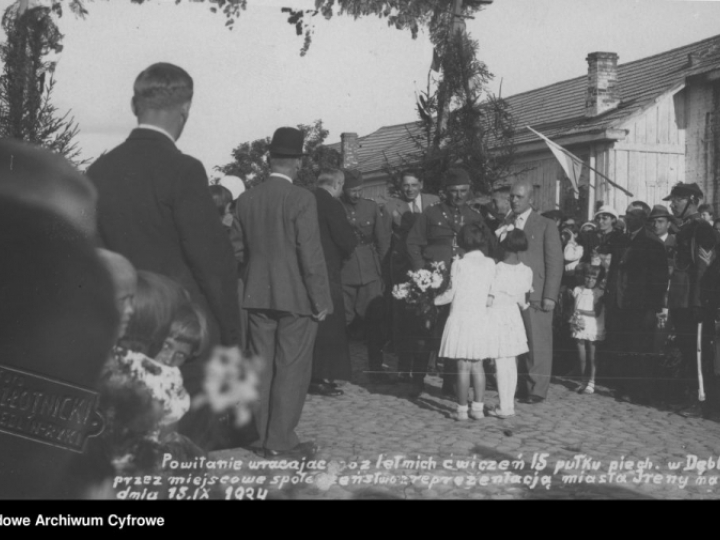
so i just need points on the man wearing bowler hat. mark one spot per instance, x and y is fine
(433, 238)
(661, 222)
(362, 272)
(286, 293)
(695, 249)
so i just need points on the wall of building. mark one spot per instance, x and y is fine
(651, 158)
(699, 158)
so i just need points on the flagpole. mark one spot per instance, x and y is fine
(577, 159)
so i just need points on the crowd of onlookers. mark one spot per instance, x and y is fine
(206, 308)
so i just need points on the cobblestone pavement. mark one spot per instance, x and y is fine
(374, 442)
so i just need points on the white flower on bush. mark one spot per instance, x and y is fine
(231, 382)
(437, 281)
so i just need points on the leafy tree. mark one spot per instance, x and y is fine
(27, 82)
(460, 124)
(250, 158)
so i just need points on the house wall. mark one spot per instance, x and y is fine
(699, 158)
(651, 158)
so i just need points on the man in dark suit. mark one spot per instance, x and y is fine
(401, 212)
(635, 292)
(545, 257)
(286, 293)
(154, 206)
(331, 357)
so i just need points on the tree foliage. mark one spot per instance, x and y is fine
(460, 124)
(27, 83)
(250, 158)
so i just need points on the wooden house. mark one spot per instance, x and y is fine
(645, 125)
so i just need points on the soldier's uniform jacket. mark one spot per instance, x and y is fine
(433, 237)
(364, 264)
(688, 269)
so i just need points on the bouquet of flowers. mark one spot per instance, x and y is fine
(577, 324)
(230, 384)
(419, 293)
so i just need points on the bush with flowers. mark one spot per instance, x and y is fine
(420, 291)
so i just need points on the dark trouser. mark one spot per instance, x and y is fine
(411, 342)
(367, 302)
(285, 341)
(536, 366)
(686, 328)
(331, 356)
(631, 337)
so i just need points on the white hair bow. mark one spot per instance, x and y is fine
(503, 231)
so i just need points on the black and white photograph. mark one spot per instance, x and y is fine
(358, 249)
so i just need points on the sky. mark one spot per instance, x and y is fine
(357, 76)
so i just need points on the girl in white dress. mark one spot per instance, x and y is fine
(465, 337)
(588, 322)
(508, 295)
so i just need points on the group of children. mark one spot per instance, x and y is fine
(485, 320)
(143, 394)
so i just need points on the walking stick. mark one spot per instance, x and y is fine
(701, 386)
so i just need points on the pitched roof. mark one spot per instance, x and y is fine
(558, 110)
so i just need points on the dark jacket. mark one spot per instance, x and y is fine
(638, 277)
(688, 268)
(154, 208)
(336, 234)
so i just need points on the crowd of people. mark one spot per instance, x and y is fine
(153, 289)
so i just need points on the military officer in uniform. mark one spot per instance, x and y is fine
(433, 238)
(695, 249)
(362, 271)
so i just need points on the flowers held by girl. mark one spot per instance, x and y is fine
(419, 293)
(576, 322)
(230, 384)
(424, 285)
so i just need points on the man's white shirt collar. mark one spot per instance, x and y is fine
(282, 176)
(521, 219)
(156, 128)
(413, 204)
(664, 237)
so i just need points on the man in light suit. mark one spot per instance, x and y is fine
(402, 212)
(287, 293)
(545, 257)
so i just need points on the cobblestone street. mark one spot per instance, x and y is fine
(377, 443)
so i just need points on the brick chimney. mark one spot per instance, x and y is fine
(603, 91)
(349, 150)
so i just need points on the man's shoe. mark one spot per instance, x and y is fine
(299, 451)
(623, 397)
(416, 389)
(693, 411)
(324, 389)
(532, 400)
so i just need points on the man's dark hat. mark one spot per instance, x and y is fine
(660, 211)
(287, 142)
(685, 190)
(456, 177)
(353, 178)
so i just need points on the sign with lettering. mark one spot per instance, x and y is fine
(46, 410)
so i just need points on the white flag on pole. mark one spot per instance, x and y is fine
(571, 164)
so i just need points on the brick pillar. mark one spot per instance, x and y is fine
(349, 150)
(603, 91)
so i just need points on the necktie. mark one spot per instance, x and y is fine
(414, 206)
